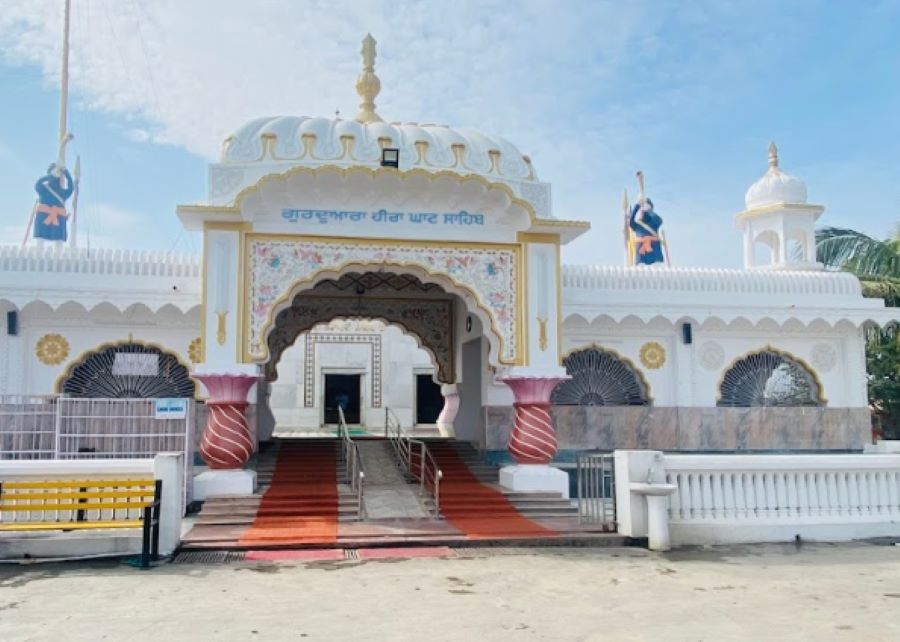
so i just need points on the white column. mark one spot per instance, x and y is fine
(749, 260)
(169, 467)
(222, 323)
(449, 411)
(541, 284)
(782, 258)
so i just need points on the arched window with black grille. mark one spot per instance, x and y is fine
(128, 370)
(600, 378)
(769, 378)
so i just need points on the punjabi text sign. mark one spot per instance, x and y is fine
(326, 217)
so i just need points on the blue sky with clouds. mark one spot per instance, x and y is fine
(689, 92)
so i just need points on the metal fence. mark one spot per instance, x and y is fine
(597, 489)
(79, 428)
(27, 427)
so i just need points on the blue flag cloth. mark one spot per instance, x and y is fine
(50, 211)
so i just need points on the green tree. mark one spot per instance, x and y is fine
(877, 265)
(883, 366)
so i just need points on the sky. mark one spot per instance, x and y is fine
(690, 93)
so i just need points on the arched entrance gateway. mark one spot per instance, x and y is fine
(311, 219)
(424, 311)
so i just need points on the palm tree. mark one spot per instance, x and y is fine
(876, 263)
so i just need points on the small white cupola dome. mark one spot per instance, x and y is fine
(778, 224)
(775, 186)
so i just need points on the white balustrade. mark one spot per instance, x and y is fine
(732, 498)
(689, 279)
(99, 261)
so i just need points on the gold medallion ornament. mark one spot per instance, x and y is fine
(52, 349)
(195, 350)
(653, 355)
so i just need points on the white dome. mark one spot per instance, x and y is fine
(312, 142)
(775, 186)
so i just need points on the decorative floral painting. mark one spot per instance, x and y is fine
(276, 266)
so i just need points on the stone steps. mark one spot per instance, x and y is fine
(239, 517)
(535, 505)
(234, 509)
(220, 508)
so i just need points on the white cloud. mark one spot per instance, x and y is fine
(586, 89)
(197, 72)
(138, 135)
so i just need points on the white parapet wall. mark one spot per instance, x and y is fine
(722, 499)
(883, 447)
(168, 467)
(729, 499)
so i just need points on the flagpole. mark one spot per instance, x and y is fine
(64, 90)
(625, 230)
(73, 236)
(642, 199)
(665, 244)
(30, 223)
(64, 135)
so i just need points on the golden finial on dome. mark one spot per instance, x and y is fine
(367, 83)
(773, 155)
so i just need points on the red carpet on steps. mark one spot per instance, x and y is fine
(479, 511)
(301, 505)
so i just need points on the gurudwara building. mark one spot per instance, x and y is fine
(351, 266)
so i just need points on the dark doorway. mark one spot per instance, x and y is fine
(429, 400)
(342, 390)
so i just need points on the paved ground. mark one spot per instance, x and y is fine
(849, 592)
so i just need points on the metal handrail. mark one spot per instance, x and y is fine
(356, 476)
(414, 457)
(397, 438)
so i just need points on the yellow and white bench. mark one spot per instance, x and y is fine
(75, 504)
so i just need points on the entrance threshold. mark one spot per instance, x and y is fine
(425, 431)
(291, 510)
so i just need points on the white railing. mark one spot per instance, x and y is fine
(356, 476)
(414, 459)
(80, 428)
(732, 498)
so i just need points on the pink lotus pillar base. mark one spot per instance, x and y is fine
(226, 443)
(533, 440)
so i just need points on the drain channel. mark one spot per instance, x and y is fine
(208, 557)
